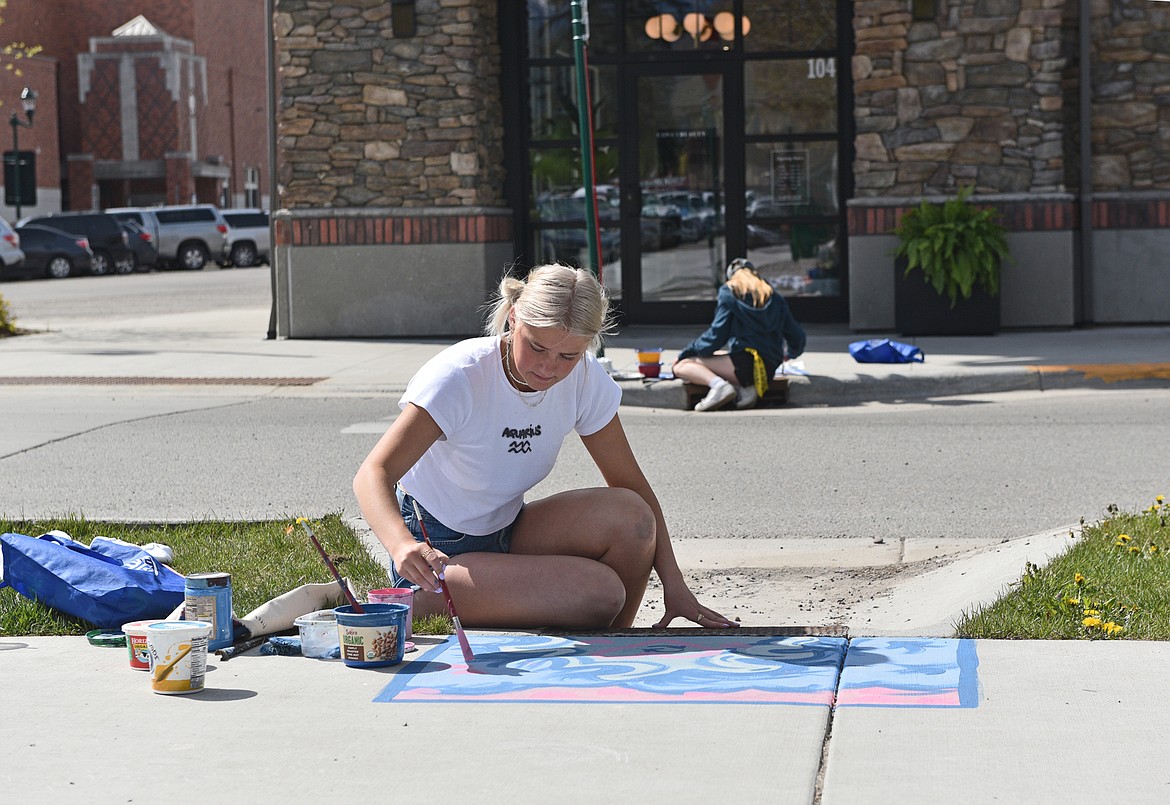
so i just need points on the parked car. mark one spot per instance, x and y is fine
(143, 216)
(52, 253)
(248, 237)
(110, 246)
(142, 244)
(190, 235)
(10, 252)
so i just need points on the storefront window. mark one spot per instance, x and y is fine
(552, 102)
(786, 179)
(794, 96)
(550, 28)
(684, 25)
(791, 25)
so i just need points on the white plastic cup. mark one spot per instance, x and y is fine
(396, 595)
(318, 632)
(178, 655)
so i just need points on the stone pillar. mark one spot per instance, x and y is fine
(390, 220)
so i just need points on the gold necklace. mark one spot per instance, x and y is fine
(516, 380)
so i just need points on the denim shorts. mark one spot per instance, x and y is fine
(448, 540)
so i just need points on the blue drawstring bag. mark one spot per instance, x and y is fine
(108, 583)
(883, 350)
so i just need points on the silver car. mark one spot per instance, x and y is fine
(187, 235)
(10, 252)
(248, 237)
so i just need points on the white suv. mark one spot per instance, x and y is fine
(190, 235)
(248, 237)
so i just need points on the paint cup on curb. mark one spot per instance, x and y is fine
(136, 644)
(649, 362)
(373, 639)
(318, 634)
(396, 595)
(178, 655)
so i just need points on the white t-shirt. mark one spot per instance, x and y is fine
(494, 447)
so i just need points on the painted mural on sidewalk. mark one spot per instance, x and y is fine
(909, 672)
(695, 669)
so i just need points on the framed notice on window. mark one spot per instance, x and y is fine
(790, 176)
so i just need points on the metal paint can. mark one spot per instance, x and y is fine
(208, 598)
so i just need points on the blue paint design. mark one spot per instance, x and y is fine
(902, 672)
(698, 669)
(865, 672)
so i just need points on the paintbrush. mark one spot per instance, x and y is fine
(329, 564)
(464, 646)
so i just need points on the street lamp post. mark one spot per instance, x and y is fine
(28, 101)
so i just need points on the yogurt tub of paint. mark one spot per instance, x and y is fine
(396, 595)
(136, 644)
(374, 638)
(318, 634)
(178, 655)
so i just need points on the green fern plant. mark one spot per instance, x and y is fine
(955, 244)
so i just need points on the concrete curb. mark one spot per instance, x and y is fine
(822, 390)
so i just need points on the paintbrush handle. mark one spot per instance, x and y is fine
(332, 569)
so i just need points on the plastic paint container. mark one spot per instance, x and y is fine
(318, 633)
(397, 595)
(136, 644)
(649, 369)
(209, 599)
(178, 655)
(373, 639)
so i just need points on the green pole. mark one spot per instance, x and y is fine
(580, 15)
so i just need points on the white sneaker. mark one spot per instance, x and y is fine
(717, 397)
(746, 397)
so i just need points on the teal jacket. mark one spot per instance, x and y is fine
(771, 330)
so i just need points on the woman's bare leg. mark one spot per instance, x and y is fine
(703, 370)
(579, 559)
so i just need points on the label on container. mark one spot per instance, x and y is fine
(182, 668)
(369, 643)
(139, 650)
(200, 608)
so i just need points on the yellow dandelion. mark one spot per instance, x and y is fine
(1153, 548)
(1122, 538)
(1160, 498)
(1076, 602)
(1112, 628)
(1091, 622)
(1078, 579)
(1092, 612)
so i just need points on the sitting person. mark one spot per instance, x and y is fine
(481, 424)
(753, 332)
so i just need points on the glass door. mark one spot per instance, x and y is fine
(673, 193)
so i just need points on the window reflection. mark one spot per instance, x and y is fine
(799, 259)
(794, 96)
(552, 102)
(791, 25)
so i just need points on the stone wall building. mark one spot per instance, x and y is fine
(413, 153)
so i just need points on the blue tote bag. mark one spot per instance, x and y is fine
(883, 350)
(108, 583)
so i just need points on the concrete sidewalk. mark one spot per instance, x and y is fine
(228, 347)
(1031, 722)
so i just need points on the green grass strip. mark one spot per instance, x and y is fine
(263, 560)
(1114, 583)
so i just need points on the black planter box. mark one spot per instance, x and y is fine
(920, 310)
